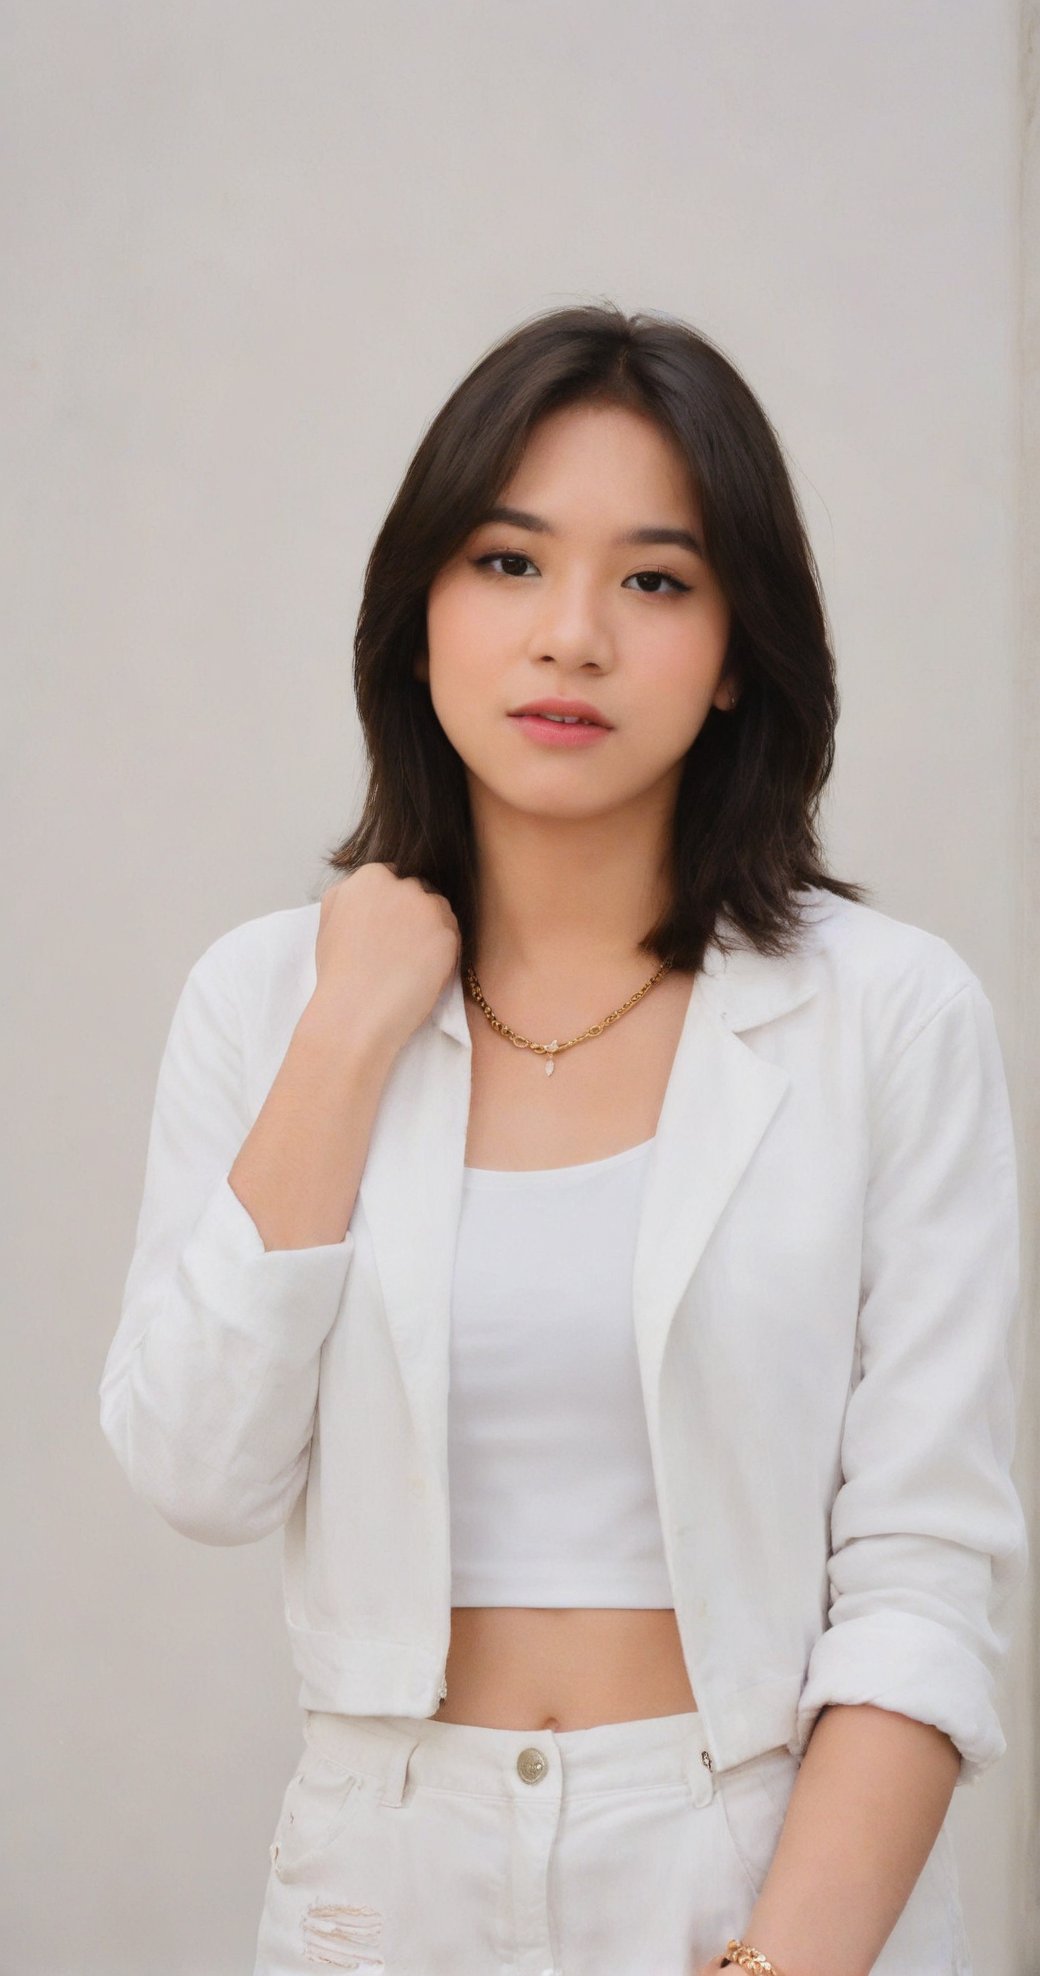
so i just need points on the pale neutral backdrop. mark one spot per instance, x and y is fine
(248, 249)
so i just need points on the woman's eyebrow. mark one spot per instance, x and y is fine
(653, 533)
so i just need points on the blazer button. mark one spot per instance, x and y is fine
(532, 1765)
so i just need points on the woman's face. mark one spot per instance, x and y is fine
(561, 605)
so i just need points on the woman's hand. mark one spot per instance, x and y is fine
(385, 949)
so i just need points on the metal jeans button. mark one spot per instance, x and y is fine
(531, 1765)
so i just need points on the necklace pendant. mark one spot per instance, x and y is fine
(551, 1064)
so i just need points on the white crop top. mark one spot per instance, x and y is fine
(553, 1501)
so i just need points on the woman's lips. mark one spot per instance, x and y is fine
(559, 734)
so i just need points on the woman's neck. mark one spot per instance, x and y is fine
(570, 909)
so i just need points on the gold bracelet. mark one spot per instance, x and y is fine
(743, 1956)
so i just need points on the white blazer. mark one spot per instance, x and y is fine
(824, 1282)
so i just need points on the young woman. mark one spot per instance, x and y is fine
(590, 1230)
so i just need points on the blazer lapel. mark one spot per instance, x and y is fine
(411, 1198)
(720, 1099)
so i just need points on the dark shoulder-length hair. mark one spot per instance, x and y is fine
(745, 835)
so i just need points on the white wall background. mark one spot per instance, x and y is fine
(248, 249)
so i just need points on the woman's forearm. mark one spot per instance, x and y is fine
(298, 1171)
(866, 1808)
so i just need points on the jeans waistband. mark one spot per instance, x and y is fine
(649, 1753)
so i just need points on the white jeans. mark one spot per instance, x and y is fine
(417, 1847)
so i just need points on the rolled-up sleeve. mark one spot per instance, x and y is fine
(928, 1535)
(209, 1386)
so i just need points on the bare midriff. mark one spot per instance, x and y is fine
(568, 1667)
(532, 1667)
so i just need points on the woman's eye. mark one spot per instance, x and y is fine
(502, 556)
(658, 576)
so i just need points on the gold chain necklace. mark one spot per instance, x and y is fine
(552, 1050)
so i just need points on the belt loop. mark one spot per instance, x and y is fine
(700, 1774)
(396, 1775)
